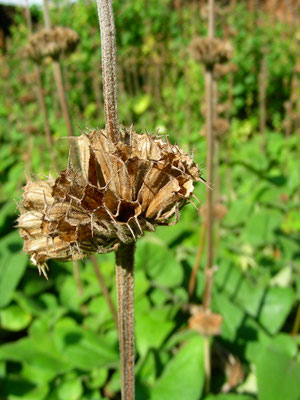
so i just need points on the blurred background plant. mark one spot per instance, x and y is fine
(57, 344)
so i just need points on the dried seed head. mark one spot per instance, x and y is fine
(51, 43)
(220, 127)
(205, 322)
(124, 189)
(219, 211)
(221, 70)
(27, 98)
(211, 51)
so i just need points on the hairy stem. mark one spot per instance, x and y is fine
(61, 90)
(193, 278)
(209, 195)
(41, 98)
(109, 69)
(104, 289)
(125, 289)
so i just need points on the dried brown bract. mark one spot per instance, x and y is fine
(211, 51)
(205, 322)
(52, 43)
(124, 189)
(221, 70)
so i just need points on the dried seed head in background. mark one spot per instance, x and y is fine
(211, 51)
(219, 210)
(220, 127)
(124, 189)
(51, 43)
(221, 70)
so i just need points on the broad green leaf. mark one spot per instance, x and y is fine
(229, 396)
(42, 355)
(12, 266)
(183, 377)
(275, 308)
(13, 318)
(260, 228)
(70, 389)
(278, 374)
(152, 329)
(83, 348)
(159, 263)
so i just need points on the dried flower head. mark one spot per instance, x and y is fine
(51, 43)
(219, 211)
(211, 51)
(221, 70)
(124, 189)
(27, 98)
(220, 127)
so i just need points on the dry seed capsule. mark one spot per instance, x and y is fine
(124, 189)
(211, 51)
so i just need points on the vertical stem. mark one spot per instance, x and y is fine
(209, 195)
(193, 278)
(104, 289)
(41, 97)
(109, 69)
(210, 152)
(262, 97)
(60, 89)
(125, 289)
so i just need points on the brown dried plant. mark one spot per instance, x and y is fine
(211, 51)
(124, 189)
(52, 43)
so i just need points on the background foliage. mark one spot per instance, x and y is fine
(58, 344)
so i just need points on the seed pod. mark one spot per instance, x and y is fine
(124, 189)
(51, 43)
(221, 70)
(219, 211)
(211, 51)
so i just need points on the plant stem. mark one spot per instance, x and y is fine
(125, 252)
(125, 289)
(41, 97)
(104, 289)
(109, 69)
(61, 90)
(209, 195)
(210, 154)
(193, 278)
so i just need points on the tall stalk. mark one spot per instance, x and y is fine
(124, 253)
(41, 97)
(60, 89)
(209, 86)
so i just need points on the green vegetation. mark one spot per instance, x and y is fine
(59, 344)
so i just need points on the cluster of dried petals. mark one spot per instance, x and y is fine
(124, 189)
(211, 51)
(221, 70)
(220, 127)
(52, 43)
(219, 211)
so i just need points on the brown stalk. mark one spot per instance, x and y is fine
(209, 195)
(124, 253)
(125, 289)
(41, 98)
(104, 288)
(262, 96)
(109, 68)
(193, 278)
(61, 90)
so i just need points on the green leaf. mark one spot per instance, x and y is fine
(229, 396)
(142, 104)
(83, 348)
(275, 308)
(159, 262)
(12, 266)
(260, 228)
(183, 377)
(70, 389)
(152, 328)
(278, 374)
(13, 318)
